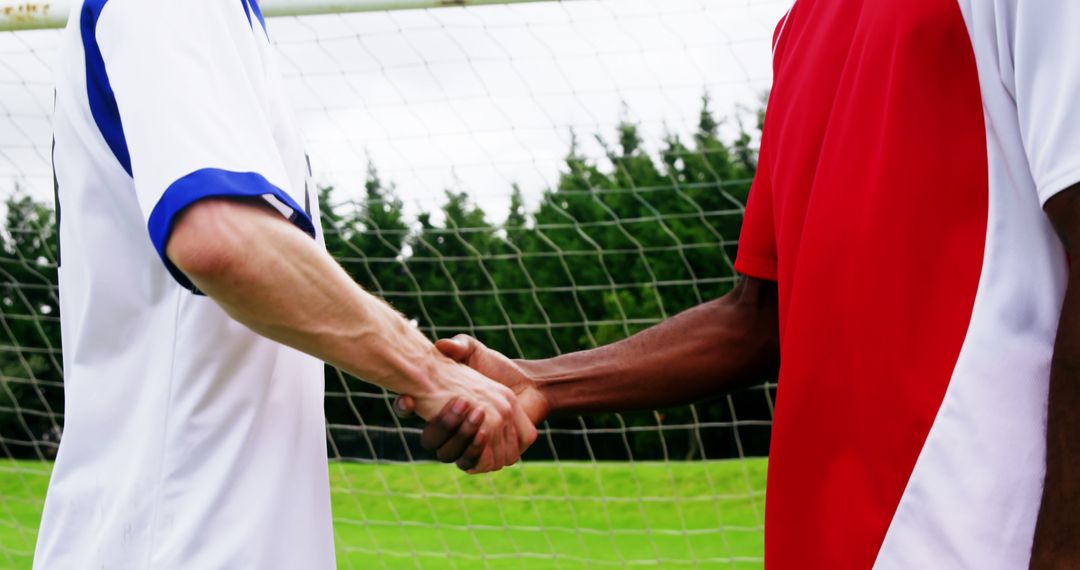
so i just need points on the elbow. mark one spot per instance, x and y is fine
(204, 242)
(753, 308)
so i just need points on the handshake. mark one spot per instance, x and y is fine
(482, 410)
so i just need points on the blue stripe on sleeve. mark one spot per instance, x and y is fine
(212, 183)
(247, 11)
(258, 14)
(98, 90)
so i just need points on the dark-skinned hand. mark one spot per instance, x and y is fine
(451, 434)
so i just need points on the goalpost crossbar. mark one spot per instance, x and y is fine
(34, 15)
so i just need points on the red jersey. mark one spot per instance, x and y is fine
(908, 148)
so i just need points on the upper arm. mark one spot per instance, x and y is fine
(1064, 212)
(192, 114)
(759, 300)
(212, 234)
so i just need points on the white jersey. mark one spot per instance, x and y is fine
(189, 441)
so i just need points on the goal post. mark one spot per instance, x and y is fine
(545, 175)
(38, 15)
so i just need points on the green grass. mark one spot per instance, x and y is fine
(534, 516)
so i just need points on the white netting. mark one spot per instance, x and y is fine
(541, 176)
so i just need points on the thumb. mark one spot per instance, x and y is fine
(404, 406)
(459, 349)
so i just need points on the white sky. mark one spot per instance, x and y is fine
(465, 98)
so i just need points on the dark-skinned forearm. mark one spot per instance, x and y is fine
(1057, 532)
(710, 349)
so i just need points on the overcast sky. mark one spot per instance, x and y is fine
(473, 99)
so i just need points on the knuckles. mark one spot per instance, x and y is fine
(504, 408)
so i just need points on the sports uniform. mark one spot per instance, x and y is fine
(189, 441)
(908, 148)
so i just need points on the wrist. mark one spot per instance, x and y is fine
(419, 379)
(575, 383)
(409, 362)
(539, 375)
(538, 371)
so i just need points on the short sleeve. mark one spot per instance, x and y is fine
(1044, 43)
(756, 256)
(190, 93)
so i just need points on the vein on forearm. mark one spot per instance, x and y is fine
(281, 284)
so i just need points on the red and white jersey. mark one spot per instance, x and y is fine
(908, 148)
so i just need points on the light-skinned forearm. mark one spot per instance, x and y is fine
(710, 349)
(280, 283)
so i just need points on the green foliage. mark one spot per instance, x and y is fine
(616, 245)
(31, 394)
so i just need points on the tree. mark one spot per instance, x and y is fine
(368, 239)
(615, 246)
(31, 392)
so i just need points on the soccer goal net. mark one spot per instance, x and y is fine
(545, 176)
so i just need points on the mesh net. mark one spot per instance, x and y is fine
(546, 177)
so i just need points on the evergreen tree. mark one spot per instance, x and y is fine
(31, 394)
(613, 247)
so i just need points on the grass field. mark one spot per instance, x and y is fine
(534, 516)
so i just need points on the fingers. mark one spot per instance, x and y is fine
(509, 448)
(404, 406)
(504, 428)
(498, 443)
(510, 437)
(458, 435)
(513, 449)
(504, 447)
(459, 349)
(485, 462)
(526, 430)
(493, 456)
(443, 426)
(474, 451)
(456, 446)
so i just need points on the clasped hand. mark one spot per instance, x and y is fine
(462, 431)
(473, 421)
